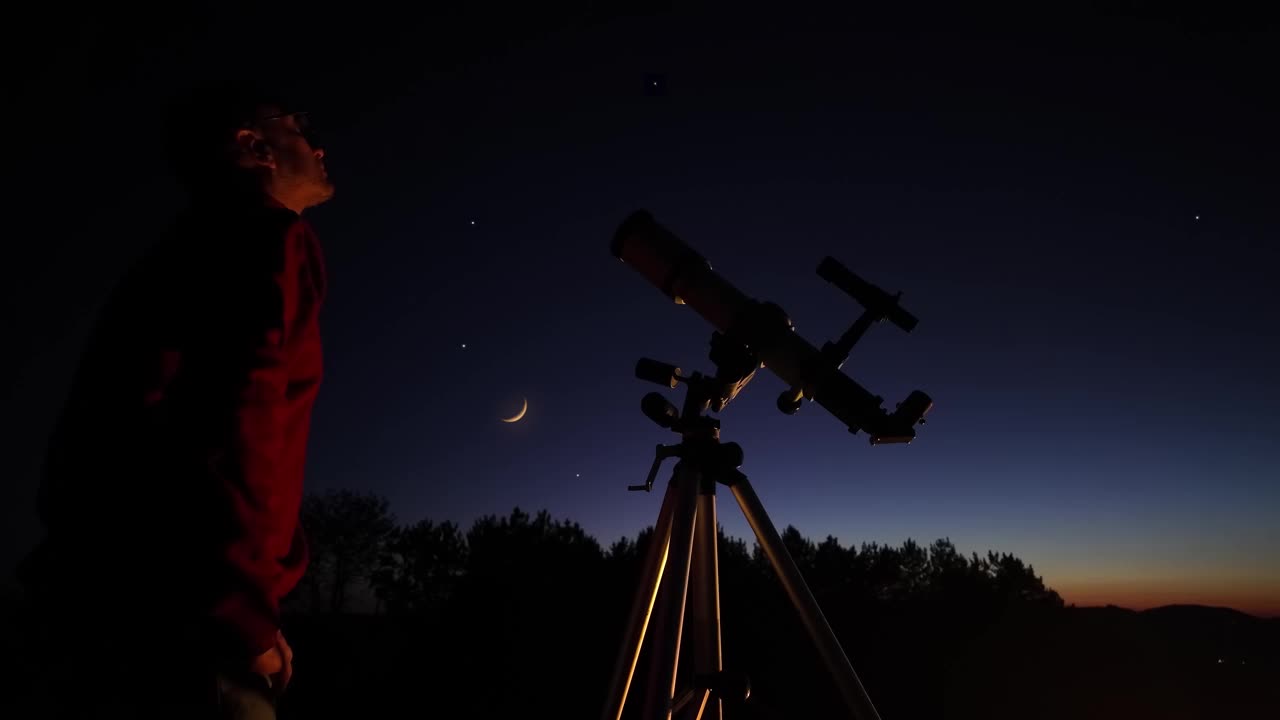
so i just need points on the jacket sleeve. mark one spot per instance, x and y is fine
(257, 500)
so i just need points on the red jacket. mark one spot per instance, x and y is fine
(174, 476)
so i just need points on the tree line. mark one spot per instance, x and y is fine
(524, 613)
(433, 615)
(356, 542)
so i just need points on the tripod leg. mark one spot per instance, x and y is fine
(670, 621)
(810, 614)
(655, 560)
(705, 603)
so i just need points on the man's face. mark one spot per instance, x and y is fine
(298, 175)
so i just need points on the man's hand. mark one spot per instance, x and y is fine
(276, 664)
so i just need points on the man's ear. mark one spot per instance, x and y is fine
(252, 150)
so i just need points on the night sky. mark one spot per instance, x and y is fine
(1079, 208)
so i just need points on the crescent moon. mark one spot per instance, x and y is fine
(515, 418)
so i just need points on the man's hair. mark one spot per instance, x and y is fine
(200, 131)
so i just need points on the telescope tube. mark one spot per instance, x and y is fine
(764, 328)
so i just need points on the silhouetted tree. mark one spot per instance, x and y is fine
(625, 551)
(345, 534)
(521, 543)
(914, 577)
(1014, 582)
(420, 566)
(734, 556)
(527, 559)
(622, 549)
(802, 551)
(832, 560)
(883, 566)
(945, 562)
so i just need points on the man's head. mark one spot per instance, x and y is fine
(236, 139)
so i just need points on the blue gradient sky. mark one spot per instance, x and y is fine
(1102, 362)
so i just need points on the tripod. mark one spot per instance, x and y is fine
(683, 553)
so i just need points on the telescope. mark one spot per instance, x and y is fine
(766, 332)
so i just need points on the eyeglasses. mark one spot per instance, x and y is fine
(302, 119)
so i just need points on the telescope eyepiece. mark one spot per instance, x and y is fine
(657, 372)
(659, 409)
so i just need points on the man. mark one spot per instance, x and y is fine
(173, 479)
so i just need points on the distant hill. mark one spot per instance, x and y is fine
(1177, 661)
(1216, 634)
(1197, 633)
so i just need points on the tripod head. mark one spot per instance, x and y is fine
(735, 365)
(752, 334)
(700, 433)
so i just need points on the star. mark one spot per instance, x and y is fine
(577, 474)
(655, 85)
(473, 222)
(464, 346)
(1197, 217)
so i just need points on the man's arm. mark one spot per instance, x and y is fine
(257, 486)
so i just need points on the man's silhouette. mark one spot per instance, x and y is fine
(172, 482)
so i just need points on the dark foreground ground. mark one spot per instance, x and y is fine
(1173, 662)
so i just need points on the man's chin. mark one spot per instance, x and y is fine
(323, 194)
